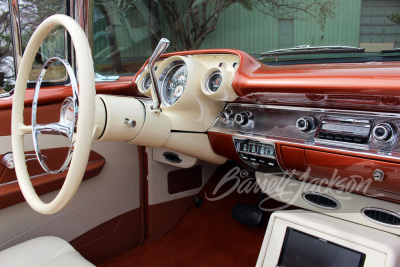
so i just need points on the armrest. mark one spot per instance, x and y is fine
(10, 193)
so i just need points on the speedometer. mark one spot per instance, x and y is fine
(174, 82)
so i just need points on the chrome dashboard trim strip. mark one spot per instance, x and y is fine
(355, 112)
(289, 137)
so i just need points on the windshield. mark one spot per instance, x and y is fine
(125, 32)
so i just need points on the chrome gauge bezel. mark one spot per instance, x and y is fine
(208, 81)
(162, 81)
(144, 82)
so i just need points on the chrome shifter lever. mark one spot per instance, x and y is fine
(155, 92)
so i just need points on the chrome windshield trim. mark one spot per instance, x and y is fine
(307, 49)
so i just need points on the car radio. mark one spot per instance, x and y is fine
(260, 154)
(354, 132)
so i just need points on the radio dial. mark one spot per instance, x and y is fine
(243, 118)
(383, 132)
(305, 124)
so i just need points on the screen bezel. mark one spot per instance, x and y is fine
(289, 229)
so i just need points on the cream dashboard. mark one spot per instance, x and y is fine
(230, 95)
(314, 122)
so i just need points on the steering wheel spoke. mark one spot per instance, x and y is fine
(54, 128)
(25, 129)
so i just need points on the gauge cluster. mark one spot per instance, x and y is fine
(146, 83)
(177, 76)
(173, 82)
(214, 82)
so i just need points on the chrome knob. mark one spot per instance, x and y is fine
(306, 124)
(243, 118)
(378, 175)
(130, 123)
(226, 116)
(383, 132)
(8, 161)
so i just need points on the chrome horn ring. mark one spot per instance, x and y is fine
(66, 126)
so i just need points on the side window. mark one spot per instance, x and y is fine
(53, 45)
(32, 13)
(7, 74)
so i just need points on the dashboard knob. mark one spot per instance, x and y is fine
(226, 116)
(306, 124)
(243, 118)
(383, 132)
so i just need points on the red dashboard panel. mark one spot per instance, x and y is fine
(352, 172)
(362, 86)
(329, 169)
(293, 158)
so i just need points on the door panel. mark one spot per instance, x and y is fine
(113, 194)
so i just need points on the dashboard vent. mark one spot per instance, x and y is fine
(321, 200)
(382, 216)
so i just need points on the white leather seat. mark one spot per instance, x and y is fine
(44, 252)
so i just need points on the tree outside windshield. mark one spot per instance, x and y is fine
(125, 32)
(32, 13)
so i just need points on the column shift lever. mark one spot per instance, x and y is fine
(155, 92)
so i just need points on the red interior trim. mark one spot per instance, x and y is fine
(10, 194)
(323, 162)
(110, 239)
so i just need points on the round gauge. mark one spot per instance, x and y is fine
(174, 82)
(68, 112)
(146, 83)
(214, 82)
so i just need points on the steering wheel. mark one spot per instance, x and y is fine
(79, 131)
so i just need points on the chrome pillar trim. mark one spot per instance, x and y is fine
(16, 33)
(63, 127)
(83, 14)
(155, 91)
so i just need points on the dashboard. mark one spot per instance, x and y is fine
(315, 119)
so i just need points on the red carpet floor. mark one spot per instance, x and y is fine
(206, 236)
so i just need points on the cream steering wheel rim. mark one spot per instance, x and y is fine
(83, 140)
